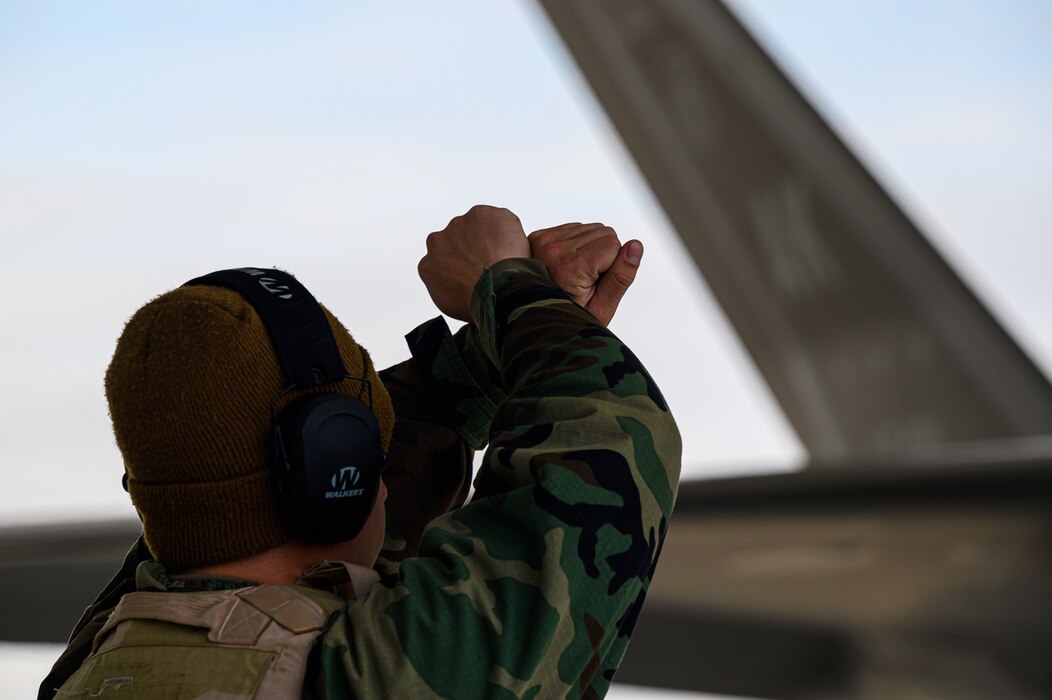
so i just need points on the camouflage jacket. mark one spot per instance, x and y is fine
(532, 589)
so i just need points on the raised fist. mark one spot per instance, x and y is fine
(589, 263)
(457, 255)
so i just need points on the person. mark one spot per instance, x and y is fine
(531, 589)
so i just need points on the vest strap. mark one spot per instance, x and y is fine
(286, 606)
(346, 580)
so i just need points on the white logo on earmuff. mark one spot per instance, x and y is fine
(342, 481)
(346, 478)
(268, 283)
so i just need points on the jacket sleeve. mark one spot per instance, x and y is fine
(444, 398)
(533, 588)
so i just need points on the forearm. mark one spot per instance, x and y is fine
(428, 470)
(444, 398)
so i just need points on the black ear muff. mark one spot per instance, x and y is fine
(327, 448)
(329, 469)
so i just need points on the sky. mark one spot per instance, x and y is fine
(142, 144)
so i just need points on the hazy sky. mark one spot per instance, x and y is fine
(142, 144)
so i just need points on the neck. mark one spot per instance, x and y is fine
(282, 564)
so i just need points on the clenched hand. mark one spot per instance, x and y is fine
(589, 263)
(458, 254)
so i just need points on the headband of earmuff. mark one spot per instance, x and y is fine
(298, 330)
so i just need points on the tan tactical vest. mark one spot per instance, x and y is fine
(227, 645)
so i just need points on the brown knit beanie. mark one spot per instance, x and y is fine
(189, 390)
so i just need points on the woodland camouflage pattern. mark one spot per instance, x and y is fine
(532, 589)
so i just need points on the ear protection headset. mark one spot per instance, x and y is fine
(327, 452)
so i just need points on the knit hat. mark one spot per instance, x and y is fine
(189, 391)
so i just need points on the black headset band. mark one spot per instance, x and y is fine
(299, 331)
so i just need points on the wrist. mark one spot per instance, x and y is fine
(518, 264)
